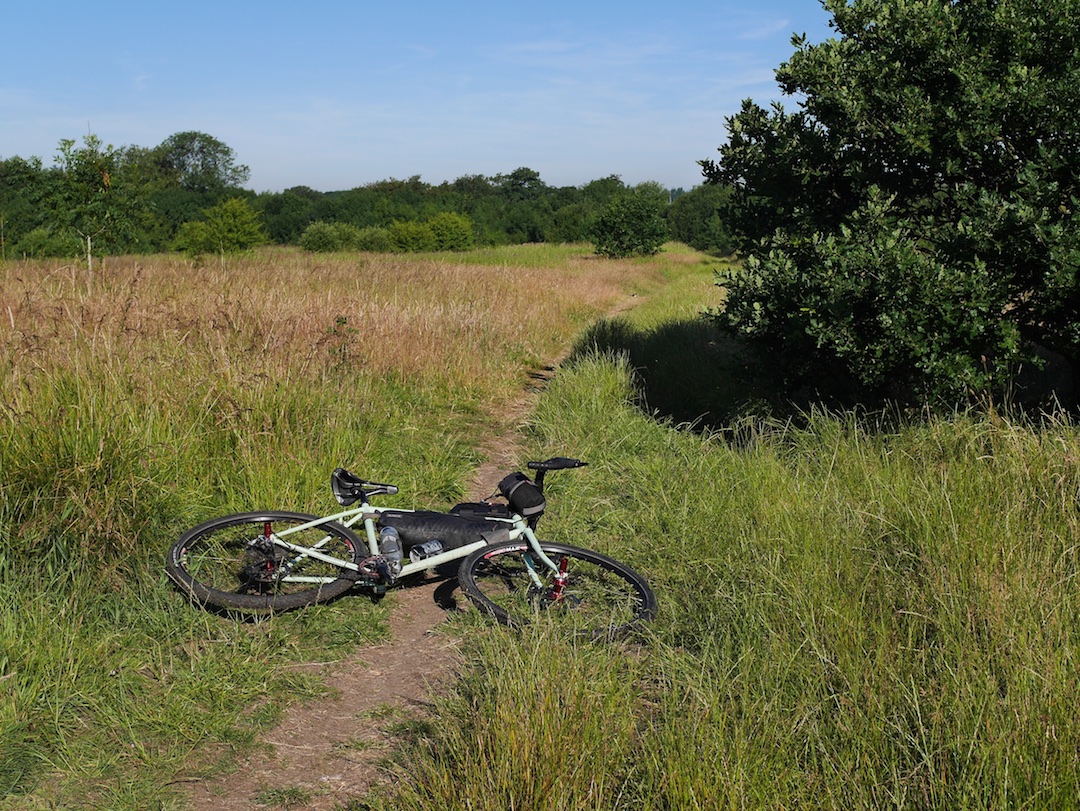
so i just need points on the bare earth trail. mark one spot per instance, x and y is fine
(326, 752)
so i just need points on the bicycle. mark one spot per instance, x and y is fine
(270, 561)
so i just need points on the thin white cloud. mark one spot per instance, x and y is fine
(767, 30)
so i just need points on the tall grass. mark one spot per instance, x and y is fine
(853, 615)
(565, 743)
(849, 619)
(153, 393)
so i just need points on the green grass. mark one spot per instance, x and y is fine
(849, 619)
(152, 394)
(283, 797)
(852, 616)
(854, 613)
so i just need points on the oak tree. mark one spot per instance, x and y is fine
(914, 215)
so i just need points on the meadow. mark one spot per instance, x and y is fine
(156, 392)
(855, 612)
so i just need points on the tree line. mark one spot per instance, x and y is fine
(187, 194)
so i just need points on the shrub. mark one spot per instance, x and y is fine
(231, 226)
(914, 220)
(39, 243)
(327, 237)
(374, 239)
(453, 232)
(412, 237)
(631, 225)
(696, 219)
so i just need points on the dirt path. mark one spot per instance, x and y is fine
(326, 752)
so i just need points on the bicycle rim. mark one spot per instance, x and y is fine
(598, 597)
(232, 562)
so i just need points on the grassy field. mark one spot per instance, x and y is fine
(853, 614)
(154, 393)
(850, 619)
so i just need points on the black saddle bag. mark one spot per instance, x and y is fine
(452, 530)
(524, 496)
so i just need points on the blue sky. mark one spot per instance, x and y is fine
(333, 95)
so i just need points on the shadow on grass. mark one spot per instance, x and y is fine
(691, 373)
(694, 374)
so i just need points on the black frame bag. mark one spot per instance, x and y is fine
(421, 526)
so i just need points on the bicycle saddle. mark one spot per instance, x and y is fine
(349, 487)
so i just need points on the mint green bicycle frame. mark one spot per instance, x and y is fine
(367, 513)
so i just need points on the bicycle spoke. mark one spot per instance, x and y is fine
(587, 593)
(237, 561)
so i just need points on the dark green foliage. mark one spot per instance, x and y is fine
(198, 162)
(288, 214)
(172, 207)
(87, 198)
(326, 237)
(632, 224)
(156, 192)
(695, 218)
(19, 187)
(374, 239)
(914, 218)
(111, 200)
(505, 209)
(521, 184)
(598, 193)
(41, 242)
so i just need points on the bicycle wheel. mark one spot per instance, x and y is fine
(599, 598)
(230, 562)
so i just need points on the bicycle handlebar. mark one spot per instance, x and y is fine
(556, 463)
(348, 487)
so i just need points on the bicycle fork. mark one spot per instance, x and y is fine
(558, 570)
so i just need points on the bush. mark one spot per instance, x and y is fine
(915, 220)
(195, 237)
(631, 225)
(453, 232)
(327, 237)
(228, 227)
(412, 237)
(696, 219)
(39, 243)
(374, 239)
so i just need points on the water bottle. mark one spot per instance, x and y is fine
(424, 550)
(390, 547)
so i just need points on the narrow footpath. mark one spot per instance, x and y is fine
(326, 752)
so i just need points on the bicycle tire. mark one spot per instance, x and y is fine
(216, 563)
(602, 599)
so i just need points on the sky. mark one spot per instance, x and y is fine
(335, 95)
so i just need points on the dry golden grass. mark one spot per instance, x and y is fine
(284, 313)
